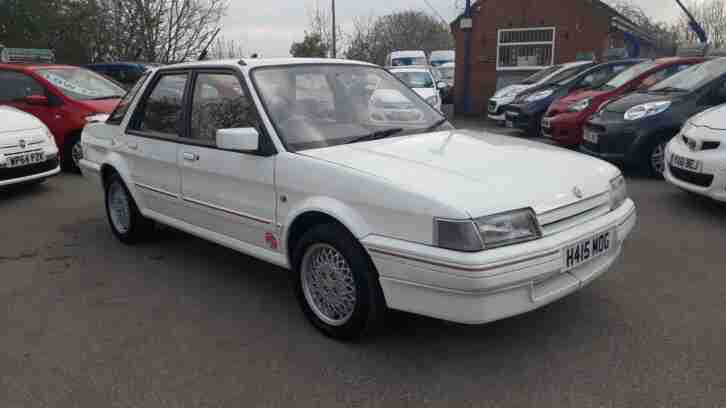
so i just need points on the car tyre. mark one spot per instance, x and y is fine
(654, 158)
(72, 154)
(337, 284)
(124, 216)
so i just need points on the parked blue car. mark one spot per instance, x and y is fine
(528, 109)
(125, 73)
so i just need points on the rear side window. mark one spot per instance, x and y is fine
(219, 102)
(161, 111)
(123, 106)
(15, 86)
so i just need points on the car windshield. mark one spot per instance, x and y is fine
(415, 79)
(628, 75)
(447, 72)
(565, 76)
(81, 84)
(692, 78)
(406, 61)
(318, 105)
(540, 75)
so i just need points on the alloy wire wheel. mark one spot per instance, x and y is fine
(119, 209)
(77, 154)
(328, 284)
(657, 159)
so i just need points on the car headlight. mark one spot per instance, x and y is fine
(505, 93)
(97, 117)
(580, 106)
(433, 100)
(49, 135)
(508, 228)
(618, 192)
(647, 109)
(538, 96)
(487, 232)
(457, 235)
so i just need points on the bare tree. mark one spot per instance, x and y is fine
(320, 22)
(165, 31)
(224, 48)
(663, 33)
(374, 38)
(711, 15)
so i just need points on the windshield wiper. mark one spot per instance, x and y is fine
(436, 124)
(380, 134)
(99, 98)
(669, 89)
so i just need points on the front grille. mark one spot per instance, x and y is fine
(24, 171)
(698, 179)
(569, 216)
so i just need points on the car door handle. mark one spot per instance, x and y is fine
(133, 146)
(190, 156)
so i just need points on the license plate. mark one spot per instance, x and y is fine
(588, 249)
(685, 163)
(590, 136)
(25, 159)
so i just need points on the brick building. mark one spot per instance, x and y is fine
(511, 39)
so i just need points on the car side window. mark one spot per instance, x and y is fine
(162, 110)
(15, 86)
(117, 116)
(717, 96)
(219, 102)
(597, 78)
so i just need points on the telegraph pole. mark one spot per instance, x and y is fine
(335, 50)
(466, 25)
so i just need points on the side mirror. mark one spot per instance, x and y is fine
(38, 100)
(442, 85)
(239, 139)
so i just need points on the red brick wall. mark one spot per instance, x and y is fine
(580, 28)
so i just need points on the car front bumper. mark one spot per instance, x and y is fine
(564, 129)
(710, 181)
(481, 287)
(615, 140)
(494, 108)
(18, 175)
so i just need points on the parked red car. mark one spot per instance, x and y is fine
(64, 97)
(564, 120)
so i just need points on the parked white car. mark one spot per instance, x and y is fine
(281, 160)
(696, 157)
(28, 153)
(406, 58)
(423, 81)
(442, 57)
(506, 95)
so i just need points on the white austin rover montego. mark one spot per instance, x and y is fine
(373, 201)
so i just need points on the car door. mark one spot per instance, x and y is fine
(16, 86)
(150, 143)
(227, 192)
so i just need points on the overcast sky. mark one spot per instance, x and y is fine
(269, 27)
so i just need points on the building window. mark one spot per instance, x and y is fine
(525, 48)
